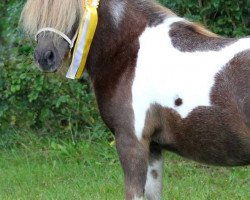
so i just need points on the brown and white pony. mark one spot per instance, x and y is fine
(161, 82)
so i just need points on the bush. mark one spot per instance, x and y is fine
(224, 17)
(46, 104)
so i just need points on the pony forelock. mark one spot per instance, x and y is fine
(59, 14)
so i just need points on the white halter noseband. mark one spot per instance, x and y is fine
(71, 43)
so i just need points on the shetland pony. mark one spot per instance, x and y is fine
(161, 82)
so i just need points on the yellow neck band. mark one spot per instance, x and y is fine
(84, 39)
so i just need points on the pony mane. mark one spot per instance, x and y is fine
(201, 29)
(61, 15)
(158, 8)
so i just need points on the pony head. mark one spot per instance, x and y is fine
(52, 23)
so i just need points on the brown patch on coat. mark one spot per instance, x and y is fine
(234, 83)
(111, 67)
(190, 37)
(178, 102)
(210, 136)
(154, 174)
(153, 11)
(160, 125)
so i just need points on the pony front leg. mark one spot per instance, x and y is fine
(134, 160)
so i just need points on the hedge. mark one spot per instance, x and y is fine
(50, 104)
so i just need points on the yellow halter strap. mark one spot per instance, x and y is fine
(85, 37)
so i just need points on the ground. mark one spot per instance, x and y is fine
(56, 169)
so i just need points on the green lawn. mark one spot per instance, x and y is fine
(88, 170)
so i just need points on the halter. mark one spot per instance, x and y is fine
(84, 35)
(48, 29)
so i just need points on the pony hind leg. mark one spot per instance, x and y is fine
(153, 188)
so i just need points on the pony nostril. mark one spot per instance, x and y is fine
(49, 56)
(46, 59)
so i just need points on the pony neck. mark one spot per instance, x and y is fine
(120, 24)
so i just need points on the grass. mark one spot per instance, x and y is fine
(56, 169)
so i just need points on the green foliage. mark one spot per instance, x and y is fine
(50, 104)
(91, 171)
(31, 100)
(224, 17)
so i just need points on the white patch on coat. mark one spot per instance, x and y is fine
(164, 73)
(117, 11)
(153, 186)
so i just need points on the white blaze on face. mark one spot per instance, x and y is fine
(163, 73)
